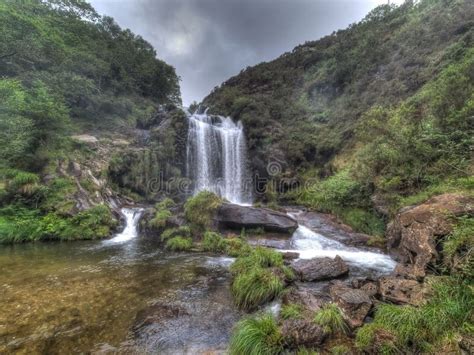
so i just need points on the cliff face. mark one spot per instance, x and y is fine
(303, 108)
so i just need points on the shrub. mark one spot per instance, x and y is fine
(179, 244)
(214, 242)
(255, 287)
(162, 213)
(173, 232)
(21, 182)
(199, 210)
(256, 336)
(331, 319)
(291, 311)
(363, 221)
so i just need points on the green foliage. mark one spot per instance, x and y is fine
(184, 231)
(363, 221)
(260, 257)
(179, 243)
(458, 248)
(291, 311)
(423, 329)
(200, 209)
(18, 224)
(258, 335)
(305, 351)
(237, 247)
(331, 319)
(214, 242)
(162, 214)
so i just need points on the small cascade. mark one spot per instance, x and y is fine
(216, 157)
(310, 245)
(132, 217)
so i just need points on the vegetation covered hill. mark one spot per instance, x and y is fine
(379, 111)
(64, 70)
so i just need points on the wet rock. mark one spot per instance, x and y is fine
(310, 301)
(370, 287)
(299, 332)
(320, 268)
(416, 230)
(290, 255)
(401, 291)
(235, 216)
(354, 303)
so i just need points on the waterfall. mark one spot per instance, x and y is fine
(216, 158)
(132, 217)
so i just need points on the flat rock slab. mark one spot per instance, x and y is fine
(235, 216)
(320, 268)
(355, 303)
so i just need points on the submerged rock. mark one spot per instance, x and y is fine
(416, 230)
(320, 268)
(354, 303)
(235, 216)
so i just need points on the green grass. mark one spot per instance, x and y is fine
(340, 350)
(331, 319)
(448, 313)
(259, 257)
(258, 335)
(179, 243)
(214, 242)
(200, 209)
(255, 287)
(237, 247)
(458, 248)
(291, 311)
(363, 221)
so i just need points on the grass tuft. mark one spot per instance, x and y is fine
(179, 244)
(291, 311)
(214, 242)
(256, 336)
(331, 319)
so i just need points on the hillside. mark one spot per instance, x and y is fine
(384, 108)
(74, 88)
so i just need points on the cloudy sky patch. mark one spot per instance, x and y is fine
(207, 41)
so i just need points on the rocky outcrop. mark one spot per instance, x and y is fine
(354, 303)
(301, 333)
(310, 302)
(318, 269)
(235, 216)
(401, 291)
(416, 230)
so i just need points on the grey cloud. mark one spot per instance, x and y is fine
(210, 40)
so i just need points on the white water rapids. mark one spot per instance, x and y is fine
(216, 157)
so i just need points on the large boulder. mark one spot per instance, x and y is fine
(318, 269)
(354, 303)
(235, 216)
(415, 232)
(401, 291)
(310, 301)
(301, 333)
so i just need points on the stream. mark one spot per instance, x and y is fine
(124, 295)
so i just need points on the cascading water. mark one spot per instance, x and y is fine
(216, 157)
(132, 217)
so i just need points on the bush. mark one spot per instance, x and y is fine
(179, 244)
(256, 336)
(173, 232)
(447, 314)
(331, 319)
(363, 221)
(162, 214)
(291, 311)
(214, 242)
(200, 209)
(255, 287)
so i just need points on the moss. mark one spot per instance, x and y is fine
(179, 243)
(331, 319)
(200, 209)
(258, 335)
(458, 248)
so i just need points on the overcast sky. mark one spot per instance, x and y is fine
(208, 41)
